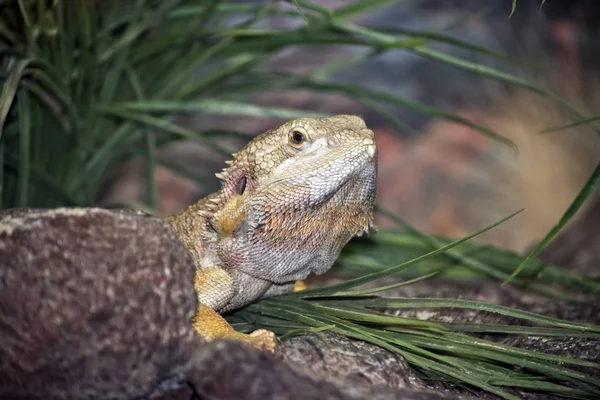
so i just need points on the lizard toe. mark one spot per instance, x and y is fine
(262, 339)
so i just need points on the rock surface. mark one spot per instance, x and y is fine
(91, 302)
(97, 303)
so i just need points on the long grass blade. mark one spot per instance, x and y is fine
(163, 124)
(574, 124)
(217, 107)
(427, 302)
(390, 271)
(587, 190)
(9, 89)
(359, 93)
(48, 182)
(495, 74)
(24, 147)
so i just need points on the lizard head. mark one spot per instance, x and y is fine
(302, 148)
(308, 187)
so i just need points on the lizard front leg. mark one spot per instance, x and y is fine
(215, 288)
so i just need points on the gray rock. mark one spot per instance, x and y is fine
(91, 302)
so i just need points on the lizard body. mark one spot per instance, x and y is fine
(289, 202)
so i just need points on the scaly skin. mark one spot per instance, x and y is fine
(289, 201)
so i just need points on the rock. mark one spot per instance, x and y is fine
(91, 302)
(360, 368)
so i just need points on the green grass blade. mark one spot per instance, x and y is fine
(43, 178)
(455, 254)
(390, 271)
(24, 147)
(438, 37)
(573, 124)
(150, 138)
(498, 348)
(507, 356)
(459, 358)
(9, 89)
(384, 288)
(163, 124)
(469, 261)
(359, 93)
(217, 107)
(519, 330)
(587, 190)
(365, 316)
(495, 74)
(359, 8)
(427, 302)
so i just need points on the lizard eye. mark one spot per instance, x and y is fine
(297, 138)
(241, 187)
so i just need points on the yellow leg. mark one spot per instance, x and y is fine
(300, 285)
(211, 326)
(215, 287)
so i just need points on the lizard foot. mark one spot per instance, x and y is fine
(300, 285)
(261, 339)
(211, 326)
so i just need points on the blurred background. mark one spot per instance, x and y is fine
(139, 104)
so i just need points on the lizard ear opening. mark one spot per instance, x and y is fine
(241, 187)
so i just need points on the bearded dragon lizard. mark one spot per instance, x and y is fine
(289, 201)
